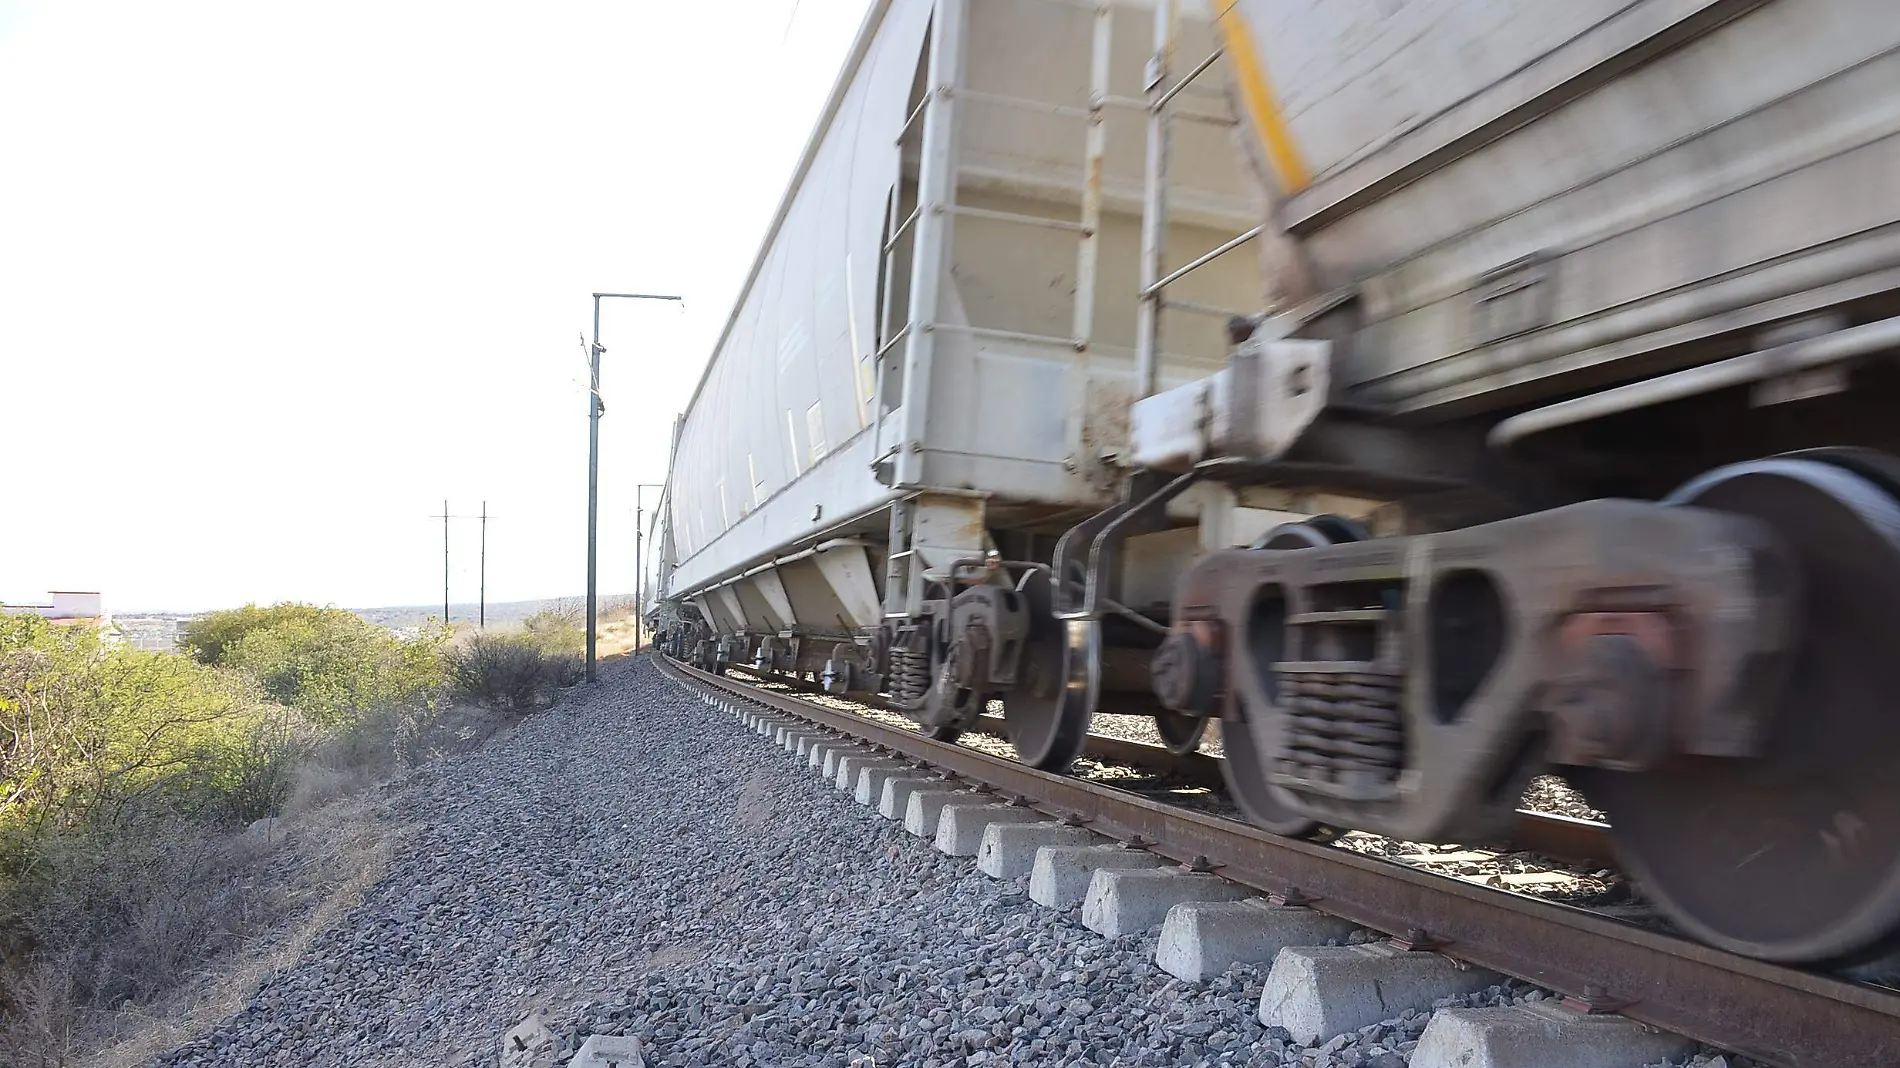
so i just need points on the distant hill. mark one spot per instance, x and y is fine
(500, 613)
(159, 630)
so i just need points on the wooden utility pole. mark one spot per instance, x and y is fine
(481, 608)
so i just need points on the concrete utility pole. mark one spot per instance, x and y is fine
(639, 561)
(594, 409)
(445, 562)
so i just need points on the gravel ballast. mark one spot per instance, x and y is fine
(635, 862)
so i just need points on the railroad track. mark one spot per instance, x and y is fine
(1779, 1015)
(1576, 841)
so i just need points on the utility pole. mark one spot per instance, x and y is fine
(594, 409)
(639, 563)
(639, 580)
(445, 562)
(445, 516)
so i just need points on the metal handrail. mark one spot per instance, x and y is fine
(1200, 261)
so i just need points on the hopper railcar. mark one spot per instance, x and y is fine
(1434, 393)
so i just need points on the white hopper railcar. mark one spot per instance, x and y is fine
(957, 376)
(1270, 361)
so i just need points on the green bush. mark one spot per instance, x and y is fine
(116, 766)
(128, 776)
(93, 734)
(125, 775)
(557, 631)
(209, 638)
(327, 663)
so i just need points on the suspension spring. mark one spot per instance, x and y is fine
(1345, 734)
(910, 675)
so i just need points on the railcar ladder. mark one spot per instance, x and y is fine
(936, 207)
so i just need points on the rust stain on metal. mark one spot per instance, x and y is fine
(1105, 407)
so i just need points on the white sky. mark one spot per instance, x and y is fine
(277, 278)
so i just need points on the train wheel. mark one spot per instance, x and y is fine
(1794, 856)
(1181, 734)
(1312, 533)
(1047, 717)
(1244, 767)
(1244, 759)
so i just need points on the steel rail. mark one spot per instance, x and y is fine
(1786, 1017)
(1558, 837)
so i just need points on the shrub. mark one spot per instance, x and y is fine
(209, 638)
(116, 767)
(553, 631)
(125, 910)
(90, 733)
(374, 743)
(510, 671)
(125, 775)
(327, 663)
(262, 771)
(96, 944)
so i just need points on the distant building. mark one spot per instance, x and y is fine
(63, 604)
(70, 608)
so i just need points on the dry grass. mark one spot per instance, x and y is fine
(257, 898)
(616, 638)
(327, 858)
(617, 632)
(130, 938)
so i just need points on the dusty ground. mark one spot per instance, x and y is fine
(313, 865)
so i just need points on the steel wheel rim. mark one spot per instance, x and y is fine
(1047, 719)
(1181, 734)
(1243, 770)
(1794, 857)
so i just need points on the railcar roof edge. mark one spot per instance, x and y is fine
(860, 45)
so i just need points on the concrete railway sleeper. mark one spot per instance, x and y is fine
(1222, 892)
(1578, 841)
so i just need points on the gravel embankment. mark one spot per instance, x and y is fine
(634, 862)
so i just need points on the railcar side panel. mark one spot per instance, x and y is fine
(1527, 199)
(785, 400)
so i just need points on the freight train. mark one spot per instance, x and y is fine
(1435, 393)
